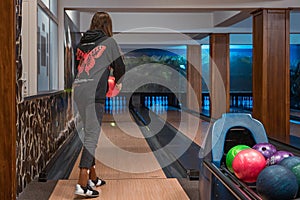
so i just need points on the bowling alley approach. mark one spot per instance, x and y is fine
(143, 100)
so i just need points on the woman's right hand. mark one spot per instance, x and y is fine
(119, 86)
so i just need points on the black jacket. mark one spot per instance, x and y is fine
(96, 54)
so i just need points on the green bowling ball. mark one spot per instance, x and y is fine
(296, 171)
(232, 153)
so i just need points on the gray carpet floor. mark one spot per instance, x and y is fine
(37, 190)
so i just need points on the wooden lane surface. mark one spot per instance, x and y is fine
(133, 189)
(174, 118)
(295, 129)
(123, 153)
(124, 117)
(191, 126)
(128, 176)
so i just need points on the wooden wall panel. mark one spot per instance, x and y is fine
(259, 74)
(219, 75)
(8, 100)
(271, 98)
(194, 93)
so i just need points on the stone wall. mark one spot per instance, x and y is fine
(43, 125)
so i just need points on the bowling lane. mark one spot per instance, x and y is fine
(191, 126)
(295, 128)
(123, 154)
(188, 123)
(133, 189)
(126, 162)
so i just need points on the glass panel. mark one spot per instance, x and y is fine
(46, 2)
(174, 57)
(53, 56)
(43, 51)
(205, 67)
(241, 68)
(205, 60)
(241, 77)
(47, 55)
(53, 7)
(295, 71)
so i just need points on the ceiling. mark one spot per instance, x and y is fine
(195, 18)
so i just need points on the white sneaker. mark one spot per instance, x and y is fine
(98, 182)
(86, 191)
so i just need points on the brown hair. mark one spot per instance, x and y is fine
(102, 21)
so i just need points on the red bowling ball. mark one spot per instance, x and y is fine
(247, 165)
(112, 90)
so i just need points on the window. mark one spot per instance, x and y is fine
(241, 72)
(241, 68)
(295, 71)
(171, 56)
(51, 5)
(47, 61)
(241, 63)
(205, 60)
(39, 47)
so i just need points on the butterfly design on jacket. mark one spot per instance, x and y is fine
(87, 59)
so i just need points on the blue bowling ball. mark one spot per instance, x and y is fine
(276, 183)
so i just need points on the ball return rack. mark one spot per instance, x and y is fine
(215, 180)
